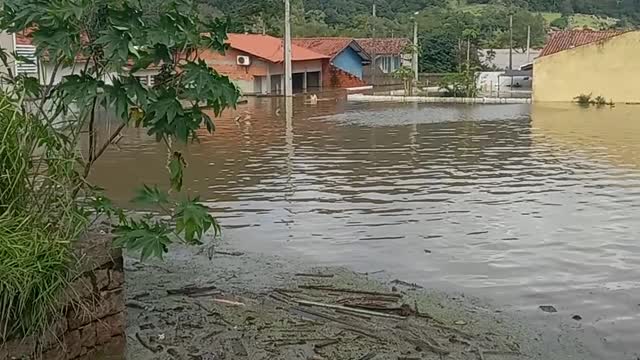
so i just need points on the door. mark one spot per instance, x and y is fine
(313, 81)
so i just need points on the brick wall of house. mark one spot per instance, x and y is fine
(94, 321)
(226, 64)
(334, 78)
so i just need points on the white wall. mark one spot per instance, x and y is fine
(47, 72)
(488, 81)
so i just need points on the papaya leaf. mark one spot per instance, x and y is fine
(150, 239)
(176, 170)
(151, 196)
(193, 220)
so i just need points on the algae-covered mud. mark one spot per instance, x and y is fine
(250, 306)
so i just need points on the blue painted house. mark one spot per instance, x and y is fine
(345, 53)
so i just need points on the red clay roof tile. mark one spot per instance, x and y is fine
(270, 48)
(327, 46)
(384, 46)
(564, 40)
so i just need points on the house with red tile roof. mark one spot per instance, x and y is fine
(255, 63)
(564, 40)
(600, 63)
(345, 53)
(388, 54)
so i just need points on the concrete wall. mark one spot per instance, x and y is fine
(7, 44)
(606, 68)
(349, 61)
(94, 321)
(245, 76)
(47, 71)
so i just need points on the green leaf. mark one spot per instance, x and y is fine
(193, 220)
(151, 196)
(176, 170)
(150, 239)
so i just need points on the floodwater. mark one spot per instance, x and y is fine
(523, 205)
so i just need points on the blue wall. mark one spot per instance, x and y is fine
(349, 61)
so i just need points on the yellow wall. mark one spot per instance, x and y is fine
(602, 134)
(609, 68)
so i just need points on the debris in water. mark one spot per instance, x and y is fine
(228, 302)
(460, 322)
(315, 275)
(427, 251)
(548, 308)
(191, 290)
(408, 284)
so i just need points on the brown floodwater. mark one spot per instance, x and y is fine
(524, 205)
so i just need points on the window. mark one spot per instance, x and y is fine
(30, 63)
(388, 63)
(146, 80)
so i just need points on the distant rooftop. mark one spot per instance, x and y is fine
(564, 40)
(384, 46)
(331, 46)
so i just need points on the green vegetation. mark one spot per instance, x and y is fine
(50, 138)
(441, 23)
(583, 99)
(38, 220)
(463, 84)
(586, 100)
(406, 74)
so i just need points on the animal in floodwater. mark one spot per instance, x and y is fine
(246, 116)
(312, 99)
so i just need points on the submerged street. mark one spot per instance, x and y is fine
(520, 205)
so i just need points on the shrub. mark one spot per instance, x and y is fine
(464, 84)
(583, 99)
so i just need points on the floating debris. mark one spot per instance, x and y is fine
(548, 308)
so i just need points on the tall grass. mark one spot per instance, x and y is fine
(39, 220)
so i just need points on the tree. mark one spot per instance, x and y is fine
(112, 40)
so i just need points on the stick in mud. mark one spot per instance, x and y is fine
(351, 291)
(315, 275)
(229, 253)
(191, 290)
(348, 326)
(348, 309)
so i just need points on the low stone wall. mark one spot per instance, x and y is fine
(424, 99)
(94, 321)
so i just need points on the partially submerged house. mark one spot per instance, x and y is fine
(387, 54)
(344, 53)
(255, 63)
(600, 63)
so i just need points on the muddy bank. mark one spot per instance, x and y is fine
(250, 306)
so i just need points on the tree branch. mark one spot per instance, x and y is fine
(105, 146)
(92, 139)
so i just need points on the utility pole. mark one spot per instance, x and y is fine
(373, 37)
(415, 47)
(468, 54)
(510, 42)
(528, 44)
(288, 86)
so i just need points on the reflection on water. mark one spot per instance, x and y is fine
(527, 209)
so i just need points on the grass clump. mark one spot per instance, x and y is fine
(38, 221)
(34, 265)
